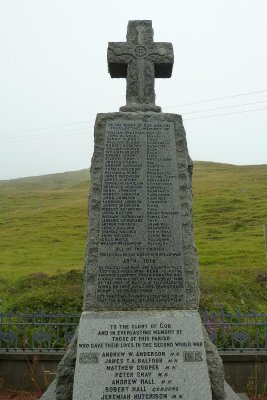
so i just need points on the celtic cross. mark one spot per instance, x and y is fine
(140, 61)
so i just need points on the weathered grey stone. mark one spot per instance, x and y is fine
(141, 352)
(242, 396)
(62, 386)
(65, 372)
(140, 61)
(140, 252)
(50, 393)
(215, 368)
(231, 395)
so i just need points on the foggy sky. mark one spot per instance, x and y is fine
(54, 78)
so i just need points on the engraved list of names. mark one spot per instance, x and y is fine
(140, 249)
(141, 355)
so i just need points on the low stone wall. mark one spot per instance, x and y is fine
(27, 370)
(245, 372)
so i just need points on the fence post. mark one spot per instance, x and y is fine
(265, 235)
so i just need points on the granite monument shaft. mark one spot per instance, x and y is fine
(140, 335)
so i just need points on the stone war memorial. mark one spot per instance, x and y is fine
(140, 335)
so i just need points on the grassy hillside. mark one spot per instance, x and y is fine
(230, 209)
(44, 225)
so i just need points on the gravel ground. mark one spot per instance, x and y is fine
(19, 395)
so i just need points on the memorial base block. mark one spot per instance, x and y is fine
(141, 355)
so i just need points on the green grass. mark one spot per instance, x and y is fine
(230, 209)
(43, 231)
(43, 225)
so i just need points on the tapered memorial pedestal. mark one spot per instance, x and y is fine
(140, 336)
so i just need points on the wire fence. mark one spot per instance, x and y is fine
(46, 332)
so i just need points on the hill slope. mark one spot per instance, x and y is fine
(230, 209)
(44, 225)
